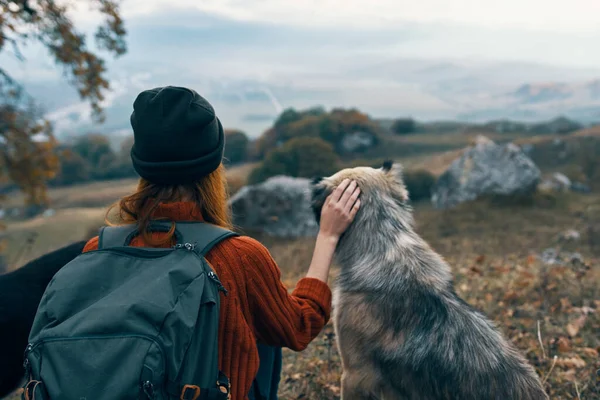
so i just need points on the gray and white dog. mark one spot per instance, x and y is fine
(402, 331)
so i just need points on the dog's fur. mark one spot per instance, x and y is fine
(402, 331)
(20, 295)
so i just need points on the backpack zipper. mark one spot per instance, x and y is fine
(211, 274)
(216, 280)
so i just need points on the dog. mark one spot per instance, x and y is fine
(402, 331)
(20, 294)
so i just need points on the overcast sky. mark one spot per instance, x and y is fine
(315, 47)
(557, 32)
(553, 15)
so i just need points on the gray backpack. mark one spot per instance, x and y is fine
(127, 322)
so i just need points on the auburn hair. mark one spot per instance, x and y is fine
(210, 194)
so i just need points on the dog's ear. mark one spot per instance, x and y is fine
(316, 180)
(395, 172)
(387, 165)
(393, 169)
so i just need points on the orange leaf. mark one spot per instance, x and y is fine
(563, 345)
(588, 351)
(572, 362)
(574, 327)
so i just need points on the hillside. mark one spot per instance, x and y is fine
(499, 253)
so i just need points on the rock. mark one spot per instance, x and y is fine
(48, 213)
(574, 258)
(562, 180)
(556, 183)
(570, 235)
(580, 187)
(554, 257)
(357, 141)
(486, 168)
(527, 148)
(279, 206)
(549, 256)
(2, 213)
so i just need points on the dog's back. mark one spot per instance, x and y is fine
(451, 351)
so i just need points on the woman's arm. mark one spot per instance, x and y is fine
(337, 214)
(294, 320)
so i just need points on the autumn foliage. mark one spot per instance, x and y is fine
(26, 155)
(316, 123)
(300, 157)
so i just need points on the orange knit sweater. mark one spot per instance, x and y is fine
(258, 305)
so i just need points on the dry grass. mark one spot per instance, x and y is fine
(100, 194)
(491, 249)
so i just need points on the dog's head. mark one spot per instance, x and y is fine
(383, 186)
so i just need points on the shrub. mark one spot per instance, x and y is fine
(404, 126)
(419, 184)
(73, 169)
(300, 157)
(332, 127)
(236, 146)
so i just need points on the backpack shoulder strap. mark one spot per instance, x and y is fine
(204, 235)
(115, 236)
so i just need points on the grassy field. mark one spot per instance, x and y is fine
(551, 312)
(547, 311)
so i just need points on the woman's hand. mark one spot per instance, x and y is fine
(339, 209)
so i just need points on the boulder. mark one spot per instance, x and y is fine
(486, 168)
(580, 187)
(556, 183)
(570, 235)
(280, 207)
(357, 141)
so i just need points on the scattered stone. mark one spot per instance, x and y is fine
(280, 206)
(580, 187)
(357, 141)
(549, 256)
(48, 213)
(486, 168)
(556, 183)
(555, 257)
(570, 235)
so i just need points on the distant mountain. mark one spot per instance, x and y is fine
(423, 89)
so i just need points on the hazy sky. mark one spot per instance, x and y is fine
(553, 15)
(545, 31)
(332, 52)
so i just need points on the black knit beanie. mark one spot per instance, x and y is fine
(177, 137)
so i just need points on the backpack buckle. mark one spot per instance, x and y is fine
(224, 385)
(190, 392)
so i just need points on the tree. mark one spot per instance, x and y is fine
(27, 155)
(96, 150)
(236, 146)
(419, 184)
(404, 126)
(73, 168)
(300, 157)
(332, 127)
(122, 167)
